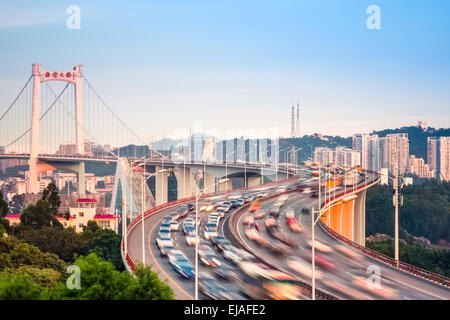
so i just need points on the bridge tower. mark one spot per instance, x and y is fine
(40, 76)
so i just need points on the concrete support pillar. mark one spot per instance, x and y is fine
(81, 179)
(225, 186)
(33, 186)
(161, 191)
(79, 110)
(184, 182)
(208, 183)
(253, 181)
(347, 220)
(359, 221)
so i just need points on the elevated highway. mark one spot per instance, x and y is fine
(345, 277)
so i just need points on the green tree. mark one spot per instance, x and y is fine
(2, 231)
(3, 206)
(99, 281)
(437, 261)
(149, 286)
(15, 254)
(18, 287)
(63, 242)
(105, 243)
(426, 210)
(37, 216)
(50, 194)
(44, 277)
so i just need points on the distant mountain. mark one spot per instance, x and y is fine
(417, 138)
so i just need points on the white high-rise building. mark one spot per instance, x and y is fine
(418, 167)
(252, 150)
(240, 149)
(324, 156)
(197, 143)
(345, 157)
(396, 152)
(444, 150)
(375, 153)
(433, 153)
(263, 150)
(360, 143)
(384, 179)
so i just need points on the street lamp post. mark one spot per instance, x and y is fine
(395, 183)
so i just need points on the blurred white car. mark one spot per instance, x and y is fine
(190, 239)
(320, 246)
(301, 267)
(174, 226)
(210, 233)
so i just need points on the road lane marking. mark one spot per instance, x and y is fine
(159, 266)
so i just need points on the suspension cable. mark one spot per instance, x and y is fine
(26, 84)
(54, 102)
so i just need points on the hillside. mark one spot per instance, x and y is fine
(417, 138)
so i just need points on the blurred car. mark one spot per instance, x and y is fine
(210, 233)
(223, 208)
(293, 225)
(164, 227)
(349, 252)
(183, 267)
(286, 240)
(274, 211)
(232, 295)
(174, 216)
(302, 267)
(190, 238)
(381, 291)
(346, 290)
(254, 206)
(254, 235)
(270, 222)
(166, 220)
(258, 215)
(216, 214)
(226, 273)
(223, 244)
(234, 197)
(279, 249)
(166, 248)
(246, 256)
(320, 246)
(231, 256)
(209, 258)
(211, 225)
(183, 211)
(324, 263)
(187, 228)
(248, 220)
(305, 210)
(176, 255)
(211, 288)
(163, 239)
(173, 226)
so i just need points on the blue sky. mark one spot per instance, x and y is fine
(162, 65)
